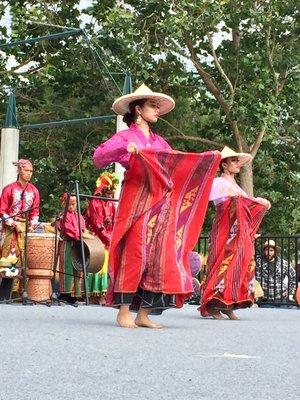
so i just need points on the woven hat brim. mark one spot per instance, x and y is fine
(121, 105)
(244, 158)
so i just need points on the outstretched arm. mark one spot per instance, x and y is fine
(112, 150)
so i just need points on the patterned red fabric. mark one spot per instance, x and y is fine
(230, 272)
(71, 227)
(99, 217)
(163, 203)
(23, 162)
(16, 199)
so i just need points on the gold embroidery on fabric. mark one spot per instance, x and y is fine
(188, 199)
(150, 227)
(225, 264)
(179, 236)
(251, 265)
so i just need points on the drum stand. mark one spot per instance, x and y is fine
(73, 191)
(78, 197)
(54, 297)
(58, 240)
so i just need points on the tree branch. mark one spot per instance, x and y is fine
(172, 126)
(30, 71)
(207, 79)
(241, 144)
(214, 89)
(13, 70)
(221, 70)
(186, 137)
(254, 148)
(197, 139)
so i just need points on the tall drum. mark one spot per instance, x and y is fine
(40, 261)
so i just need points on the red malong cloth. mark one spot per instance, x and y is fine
(159, 219)
(230, 272)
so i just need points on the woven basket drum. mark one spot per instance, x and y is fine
(40, 260)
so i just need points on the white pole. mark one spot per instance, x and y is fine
(119, 170)
(9, 153)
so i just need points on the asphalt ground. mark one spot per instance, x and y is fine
(62, 352)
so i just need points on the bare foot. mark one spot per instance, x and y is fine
(147, 323)
(125, 320)
(214, 313)
(142, 319)
(230, 314)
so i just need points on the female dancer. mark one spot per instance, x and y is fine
(230, 275)
(162, 205)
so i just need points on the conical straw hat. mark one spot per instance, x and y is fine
(121, 104)
(244, 158)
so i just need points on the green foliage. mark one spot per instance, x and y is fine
(255, 45)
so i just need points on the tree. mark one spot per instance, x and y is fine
(249, 77)
(61, 81)
(230, 65)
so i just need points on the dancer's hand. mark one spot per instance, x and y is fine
(265, 202)
(132, 148)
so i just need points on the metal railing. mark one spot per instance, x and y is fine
(279, 276)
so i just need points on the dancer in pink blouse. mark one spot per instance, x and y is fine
(140, 109)
(122, 143)
(230, 274)
(160, 214)
(139, 135)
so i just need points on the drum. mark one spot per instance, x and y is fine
(40, 250)
(40, 262)
(39, 284)
(94, 255)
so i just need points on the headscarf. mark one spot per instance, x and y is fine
(63, 198)
(106, 179)
(23, 162)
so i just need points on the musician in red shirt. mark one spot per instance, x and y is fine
(18, 199)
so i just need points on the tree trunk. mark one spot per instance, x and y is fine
(246, 179)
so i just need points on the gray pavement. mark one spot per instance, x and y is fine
(79, 353)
